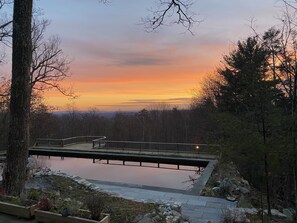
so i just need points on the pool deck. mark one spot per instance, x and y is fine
(198, 209)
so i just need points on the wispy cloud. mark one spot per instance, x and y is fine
(144, 103)
(121, 54)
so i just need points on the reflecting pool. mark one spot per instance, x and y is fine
(167, 176)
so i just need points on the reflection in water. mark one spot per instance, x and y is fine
(131, 173)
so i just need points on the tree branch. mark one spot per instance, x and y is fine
(168, 9)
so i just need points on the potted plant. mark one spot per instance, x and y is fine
(20, 207)
(45, 214)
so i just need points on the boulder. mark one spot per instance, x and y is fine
(289, 214)
(276, 213)
(244, 190)
(216, 190)
(230, 198)
(225, 186)
(244, 182)
(144, 219)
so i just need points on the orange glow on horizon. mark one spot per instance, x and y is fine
(105, 86)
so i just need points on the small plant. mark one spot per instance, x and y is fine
(232, 216)
(44, 204)
(33, 194)
(95, 204)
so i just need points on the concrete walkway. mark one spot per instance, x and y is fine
(197, 209)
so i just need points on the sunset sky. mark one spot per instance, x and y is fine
(117, 65)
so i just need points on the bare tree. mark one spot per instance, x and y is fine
(292, 4)
(49, 64)
(5, 23)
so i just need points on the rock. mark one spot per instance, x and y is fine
(157, 219)
(244, 190)
(289, 214)
(251, 211)
(32, 163)
(216, 190)
(176, 214)
(176, 206)
(245, 182)
(67, 199)
(225, 186)
(144, 219)
(244, 202)
(230, 198)
(292, 210)
(276, 213)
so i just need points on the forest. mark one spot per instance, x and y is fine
(159, 123)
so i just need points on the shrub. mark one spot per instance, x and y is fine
(95, 204)
(44, 204)
(33, 194)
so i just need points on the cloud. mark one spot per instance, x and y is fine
(121, 54)
(142, 103)
(157, 101)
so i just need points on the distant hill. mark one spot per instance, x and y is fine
(106, 114)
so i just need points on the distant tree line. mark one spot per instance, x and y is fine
(159, 124)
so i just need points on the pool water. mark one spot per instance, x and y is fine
(167, 176)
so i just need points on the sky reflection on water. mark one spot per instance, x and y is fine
(168, 176)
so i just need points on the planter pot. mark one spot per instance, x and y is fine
(17, 210)
(50, 217)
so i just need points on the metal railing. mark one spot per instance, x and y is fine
(155, 146)
(67, 141)
(100, 142)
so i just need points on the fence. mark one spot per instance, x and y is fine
(155, 146)
(101, 142)
(67, 141)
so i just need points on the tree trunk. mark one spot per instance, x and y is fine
(14, 175)
(266, 168)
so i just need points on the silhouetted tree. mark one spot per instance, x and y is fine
(14, 174)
